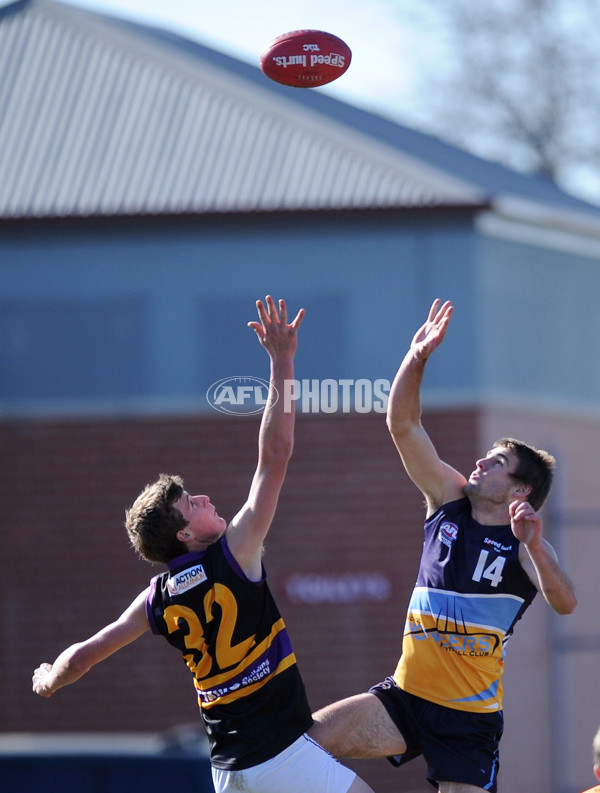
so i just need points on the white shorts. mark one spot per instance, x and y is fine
(304, 767)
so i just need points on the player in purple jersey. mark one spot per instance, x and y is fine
(483, 560)
(215, 607)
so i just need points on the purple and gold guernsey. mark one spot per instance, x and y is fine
(470, 592)
(233, 639)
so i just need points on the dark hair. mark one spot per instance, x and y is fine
(535, 467)
(152, 522)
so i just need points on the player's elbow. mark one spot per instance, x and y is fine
(399, 428)
(279, 453)
(566, 607)
(80, 660)
(392, 424)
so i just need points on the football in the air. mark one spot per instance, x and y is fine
(305, 58)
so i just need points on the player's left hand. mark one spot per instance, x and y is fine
(431, 334)
(525, 523)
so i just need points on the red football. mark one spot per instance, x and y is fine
(305, 58)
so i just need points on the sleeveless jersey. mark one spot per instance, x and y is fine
(233, 639)
(471, 590)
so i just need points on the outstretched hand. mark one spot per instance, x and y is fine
(431, 334)
(525, 523)
(273, 331)
(39, 680)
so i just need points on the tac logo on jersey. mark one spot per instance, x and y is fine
(187, 579)
(448, 533)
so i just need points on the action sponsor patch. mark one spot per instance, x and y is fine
(187, 579)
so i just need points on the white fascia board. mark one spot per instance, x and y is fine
(533, 223)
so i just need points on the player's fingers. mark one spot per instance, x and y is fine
(433, 310)
(271, 308)
(298, 319)
(444, 313)
(283, 311)
(258, 329)
(263, 314)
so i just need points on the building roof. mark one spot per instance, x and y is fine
(100, 116)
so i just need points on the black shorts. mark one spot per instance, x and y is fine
(458, 746)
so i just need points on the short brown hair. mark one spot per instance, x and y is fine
(535, 467)
(152, 522)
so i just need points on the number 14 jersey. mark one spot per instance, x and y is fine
(470, 592)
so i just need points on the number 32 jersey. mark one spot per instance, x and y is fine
(470, 592)
(233, 639)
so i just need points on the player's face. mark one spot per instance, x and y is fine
(205, 525)
(491, 478)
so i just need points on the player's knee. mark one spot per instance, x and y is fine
(323, 733)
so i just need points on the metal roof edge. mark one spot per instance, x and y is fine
(48, 221)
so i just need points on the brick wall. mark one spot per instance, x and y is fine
(341, 557)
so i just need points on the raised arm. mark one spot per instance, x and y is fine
(79, 658)
(247, 530)
(437, 481)
(538, 559)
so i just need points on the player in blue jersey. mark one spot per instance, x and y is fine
(214, 606)
(483, 561)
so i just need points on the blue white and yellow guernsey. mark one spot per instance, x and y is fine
(235, 643)
(470, 592)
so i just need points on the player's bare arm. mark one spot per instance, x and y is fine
(249, 527)
(437, 481)
(74, 662)
(539, 560)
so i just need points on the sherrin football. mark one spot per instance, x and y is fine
(305, 58)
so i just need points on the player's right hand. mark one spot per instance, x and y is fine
(39, 679)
